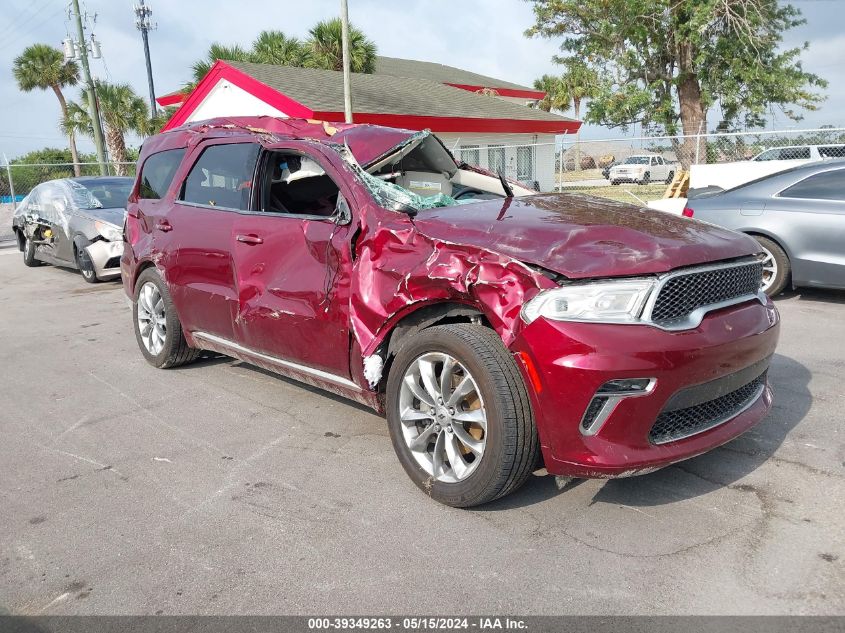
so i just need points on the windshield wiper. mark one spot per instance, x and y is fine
(505, 185)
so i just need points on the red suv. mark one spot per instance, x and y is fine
(499, 329)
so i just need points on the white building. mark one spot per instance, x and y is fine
(485, 121)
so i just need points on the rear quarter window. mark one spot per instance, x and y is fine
(828, 185)
(157, 173)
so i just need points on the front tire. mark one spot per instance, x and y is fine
(85, 265)
(29, 253)
(459, 415)
(670, 177)
(157, 326)
(776, 267)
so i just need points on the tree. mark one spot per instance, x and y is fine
(577, 82)
(200, 68)
(44, 67)
(664, 63)
(325, 44)
(274, 47)
(122, 111)
(323, 49)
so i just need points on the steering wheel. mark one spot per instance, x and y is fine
(469, 190)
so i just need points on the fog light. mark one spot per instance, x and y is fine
(625, 386)
(608, 396)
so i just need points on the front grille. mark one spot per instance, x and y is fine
(680, 423)
(684, 293)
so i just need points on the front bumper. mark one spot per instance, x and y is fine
(565, 363)
(630, 177)
(105, 256)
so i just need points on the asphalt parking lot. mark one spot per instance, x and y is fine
(220, 488)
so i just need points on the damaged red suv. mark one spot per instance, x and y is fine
(499, 330)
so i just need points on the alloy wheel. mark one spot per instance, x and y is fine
(152, 320)
(770, 270)
(86, 267)
(444, 423)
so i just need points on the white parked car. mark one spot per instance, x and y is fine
(642, 169)
(770, 161)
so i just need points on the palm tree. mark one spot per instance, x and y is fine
(122, 111)
(323, 49)
(570, 88)
(274, 47)
(576, 83)
(216, 52)
(44, 67)
(326, 46)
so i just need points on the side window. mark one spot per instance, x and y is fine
(157, 173)
(222, 177)
(471, 154)
(496, 158)
(296, 183)
(829, 185)
(772, 154)
(795, 153)
(832, 151)
(525, 163)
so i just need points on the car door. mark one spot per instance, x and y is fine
(809, 216)
(293, 260)
(193, 234)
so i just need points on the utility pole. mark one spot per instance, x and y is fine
(142, 22)
(93, 106)
(347, 89)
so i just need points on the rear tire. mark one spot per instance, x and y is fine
(646, 178)
(777, 270)
(29, 253)
(503, 449)
(157, 326)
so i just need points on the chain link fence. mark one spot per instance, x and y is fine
(568, 164)
(584, 165)
(17, 180)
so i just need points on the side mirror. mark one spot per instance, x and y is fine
(343, 215)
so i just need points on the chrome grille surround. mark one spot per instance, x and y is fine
(682, 297)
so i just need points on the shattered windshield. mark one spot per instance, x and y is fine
(391, 196)
(394, 196)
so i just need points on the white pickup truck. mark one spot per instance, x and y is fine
(729, 175)
(642, 169)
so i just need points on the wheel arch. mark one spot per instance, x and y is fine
(423, 316)
(756, 232)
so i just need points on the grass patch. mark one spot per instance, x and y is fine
(646, 193)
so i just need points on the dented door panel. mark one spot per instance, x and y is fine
(293, 289)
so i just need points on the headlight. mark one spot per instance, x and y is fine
(111, 232)
(603, 301)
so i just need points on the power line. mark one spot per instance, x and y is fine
(22, 36)
(27, 18)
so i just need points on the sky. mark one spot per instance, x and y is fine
(484, 36)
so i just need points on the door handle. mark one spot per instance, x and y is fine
(250, 239)
(164, 226)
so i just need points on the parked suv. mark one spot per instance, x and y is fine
(499, 329)
(642, 170)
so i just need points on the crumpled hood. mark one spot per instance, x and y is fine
(582, 236)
